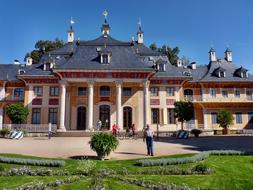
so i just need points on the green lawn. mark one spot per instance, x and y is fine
(231, 172)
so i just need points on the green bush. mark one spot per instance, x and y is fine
(196, 132)
(33, 162)
(201, 169)
(4, 132)
(195, 158)
(103, 144)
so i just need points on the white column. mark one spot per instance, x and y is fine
(62, 106)
(119, 120)
(205, 118)
(90, 104)
(1, 118)
(177, 93)
(146, 103)
(203, 92)
(2, 92)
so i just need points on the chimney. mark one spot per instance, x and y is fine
(212, 55)
(194, 65)
(228, 55)
(179, 63)
(28, 61)
(16, 62)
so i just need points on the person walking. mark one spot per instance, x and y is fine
(149, 138)
(99, 125)
(49, 131)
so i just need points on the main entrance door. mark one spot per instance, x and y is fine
(81, 118)
(104, 116)
(127, 117)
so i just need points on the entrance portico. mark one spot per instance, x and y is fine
(102, 106)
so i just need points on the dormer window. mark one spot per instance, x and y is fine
(222, 74)
(161, 67)
(244, 74)
(21, 72)
(105, 59)
(48, 66)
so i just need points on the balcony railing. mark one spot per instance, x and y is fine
(12, 99)
(199, 98)
(31, 128)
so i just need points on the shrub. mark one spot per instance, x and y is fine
(195, 158)
(85, 166)
(201, 169)
(4, 132)
(196, 132)
(27, 171)
(17, 113)
(33, 162)
(225, 118)
(103, 144)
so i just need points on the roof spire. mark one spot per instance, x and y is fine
(71, 23)
(139, 23)
(71, 31)
(105, 27)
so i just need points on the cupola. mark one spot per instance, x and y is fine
(105, 29)
(71, 37)
(228, 55)
(140, 36)
(212, 55)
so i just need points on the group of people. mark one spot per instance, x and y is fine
(148, 136)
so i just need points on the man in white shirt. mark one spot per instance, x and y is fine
(149, 138)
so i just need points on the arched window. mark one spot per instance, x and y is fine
(104, 91)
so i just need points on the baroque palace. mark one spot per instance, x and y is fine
(124, 83)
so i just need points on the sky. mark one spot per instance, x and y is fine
(193, 25)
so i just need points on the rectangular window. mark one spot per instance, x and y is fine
(105, 59)
(82, 91)
(52, 115)
(250, 117)
(249, 94)
(170, 91)
(127, 91)
(224, 93)
(237, 93)
(213, 92)
(54, 91)
(214, 117)
(161, 67)
(238, 117)
(154, 91)
(36, 114)
(37, 90)
(155, 115)
(19, 92)
(171, 116)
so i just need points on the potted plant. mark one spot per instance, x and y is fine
(103, 144)
(4, 132)
(196, 132)
(225, 119)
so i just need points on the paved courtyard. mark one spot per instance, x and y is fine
(66, 147)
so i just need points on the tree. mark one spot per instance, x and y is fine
(171, 53)
(42, 46)
(184, 111)
(17, 113)
(224, 119)
(153, 46)
(103, 144)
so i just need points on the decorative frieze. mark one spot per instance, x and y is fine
(37, 101)
(154, 102)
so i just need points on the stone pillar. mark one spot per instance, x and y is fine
(1, 118)
(90, 104)
(203, 92)
(205, 118)
(146, 103)
(119, 120)
(62, 106)
(177, 93)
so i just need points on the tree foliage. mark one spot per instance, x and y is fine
(17, 113)
(171, 53)
(225, 118)
(184, 111)
(42, 46)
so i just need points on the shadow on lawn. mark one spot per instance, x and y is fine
(84, 157)
(242, 143)
(130, 153)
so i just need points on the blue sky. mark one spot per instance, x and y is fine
(192, 25)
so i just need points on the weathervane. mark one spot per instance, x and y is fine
(71, 22)
(105, 13)
(139, 23)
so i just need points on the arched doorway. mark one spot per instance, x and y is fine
(104, 116)
(127, 117)
(81, 118)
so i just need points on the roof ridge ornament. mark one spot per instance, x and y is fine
(71, 23)
(105, 13)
